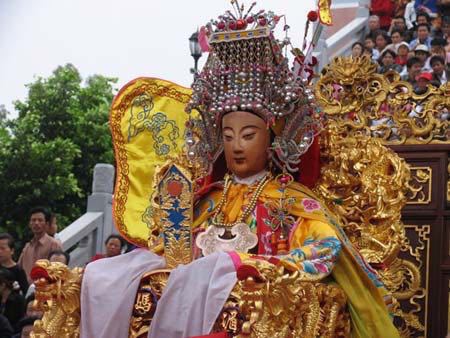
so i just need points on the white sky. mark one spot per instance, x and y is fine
(123, 39)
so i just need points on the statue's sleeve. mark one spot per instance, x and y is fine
(314, 249)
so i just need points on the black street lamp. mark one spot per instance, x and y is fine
(196, 51)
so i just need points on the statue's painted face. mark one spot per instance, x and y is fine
(246, 140)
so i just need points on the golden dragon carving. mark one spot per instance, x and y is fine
(58, 296)
(274, 302)
(364, 102)
(366, 183)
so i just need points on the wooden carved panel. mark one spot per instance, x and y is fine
(445, 305)
(412, 282)
(427, 178)
(421, 188)
(446, 244)
(448, 305)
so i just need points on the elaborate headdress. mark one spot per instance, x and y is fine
(247, 69)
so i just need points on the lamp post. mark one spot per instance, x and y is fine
(196, 51)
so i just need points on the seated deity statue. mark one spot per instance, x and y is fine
(261, 255)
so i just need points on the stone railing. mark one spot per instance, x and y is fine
(89, 231)
(350, 20)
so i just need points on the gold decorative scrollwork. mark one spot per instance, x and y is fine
(367, 185)
(363, 102)
(420, 177)
(404, 280)
(264, 306)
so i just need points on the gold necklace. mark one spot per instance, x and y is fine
(218, 217)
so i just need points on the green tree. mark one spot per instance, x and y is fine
(49, 151)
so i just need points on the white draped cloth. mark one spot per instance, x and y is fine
(189, 305)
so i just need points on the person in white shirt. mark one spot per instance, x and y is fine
(410, 14)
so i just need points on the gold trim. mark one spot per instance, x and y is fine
(423, 232)
(173, 211)
(448, 184)
(448, 310)
(421, 175)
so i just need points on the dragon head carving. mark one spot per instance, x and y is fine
(58, 295)
(366, 184)
(52, 278)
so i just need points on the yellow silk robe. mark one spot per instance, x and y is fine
(366, 295)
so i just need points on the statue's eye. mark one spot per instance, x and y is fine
(227, 138)
(249, 136)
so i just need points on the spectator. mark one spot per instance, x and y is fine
(423, 37)
(413, 67)
(25, 326)
(31, 309)
(422, 18)
(7, 262)
(381, 41)
(398, 23)
(444, 7)
(397, 38)
(12, 304)
(410, 14)
(357, 49)
(59, 256)
(400, 7)
(368, 52)
(428, 6)
(374, 25)
(440, 74)
(369, 43)
(422, 82)
(113, 244)
(384, 9)
(402, 54)
(422, 53)
(41, 244)
(53, 227)
(6, 330)
(386, 62)
(438, 48)
(436, 27)
(446, 32)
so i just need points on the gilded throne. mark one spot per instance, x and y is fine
(362, 184)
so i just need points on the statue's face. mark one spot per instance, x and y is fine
(246, 140)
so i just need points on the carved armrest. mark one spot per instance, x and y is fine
(57, 294)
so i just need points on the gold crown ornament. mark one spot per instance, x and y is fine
(248, 70)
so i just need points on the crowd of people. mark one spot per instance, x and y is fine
(18, 309)
(411, 38)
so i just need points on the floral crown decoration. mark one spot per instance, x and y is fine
(247, 69)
